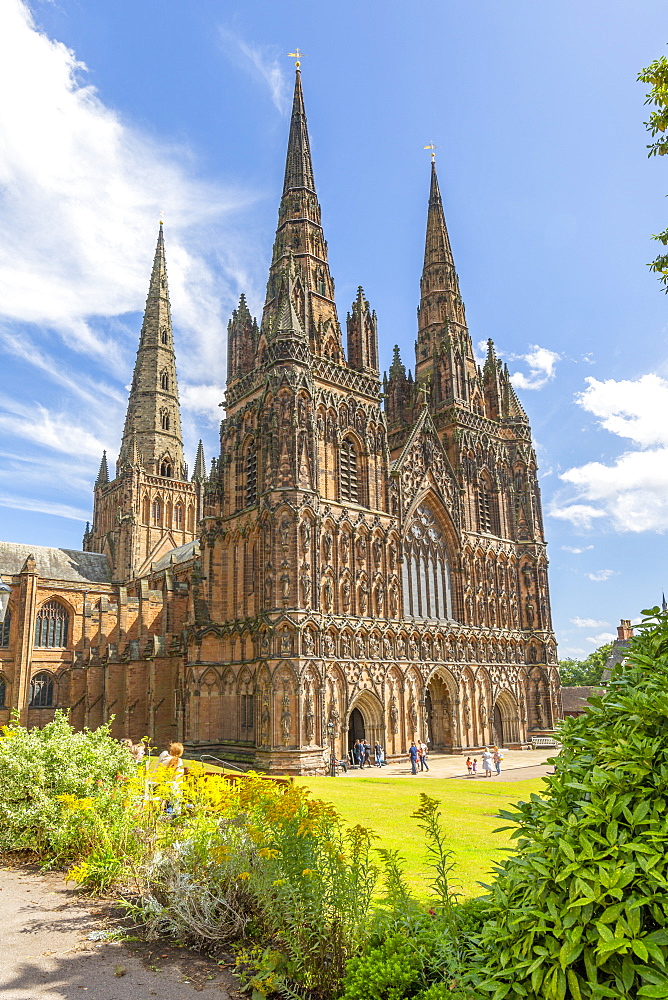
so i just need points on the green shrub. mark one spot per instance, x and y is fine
(56, 785)
(581, 911)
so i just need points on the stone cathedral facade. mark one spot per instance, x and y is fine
(363, 552)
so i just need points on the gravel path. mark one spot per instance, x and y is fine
(46, 953)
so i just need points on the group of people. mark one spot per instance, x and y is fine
(417, 755)
(136, 750)
(361, 754)
(491, 761)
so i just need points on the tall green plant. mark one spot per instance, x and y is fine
(581, 912)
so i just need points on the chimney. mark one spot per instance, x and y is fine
(624, 630)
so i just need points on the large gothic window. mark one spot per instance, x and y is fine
(488, 514)
(5, 628)
(52, 625)
(426, 573)
(41, 690)
(348, 472)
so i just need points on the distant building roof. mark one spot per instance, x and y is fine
(56, 564)
(176, 556)
(574, 699)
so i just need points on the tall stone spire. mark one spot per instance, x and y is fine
(299, 259)
(443, 351)
(103, 474)
(199, 471)
(153, 419)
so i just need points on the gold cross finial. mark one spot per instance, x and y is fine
(432, 147)
(298, 56)
(424, 392)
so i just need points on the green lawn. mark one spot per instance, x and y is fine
(469, 811)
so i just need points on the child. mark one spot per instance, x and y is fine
(475, 766)
(469, 765)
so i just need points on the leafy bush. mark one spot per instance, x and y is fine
(582, 911)
(57, 787)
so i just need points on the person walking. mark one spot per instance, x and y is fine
(413, 754)
(378, 754)
(475, 767)
(422, 750)
(487, 762)
(469, 765)
(497, 758)
(358, 754)
(367, 753)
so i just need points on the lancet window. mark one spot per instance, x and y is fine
(5, 630)
(251, 475)
(166, 468)
(426, 571)
(164, 381)
(349, 486)
(164, 420)
(488, 514)
(247, 711)
(52, 625)
(3, 692)
(155, 512)
(41, 690)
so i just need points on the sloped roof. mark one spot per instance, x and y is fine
(176, 556)
(55, 564)
(574, 699)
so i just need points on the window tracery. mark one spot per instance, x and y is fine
(5, 629)
(41, 690)
(426, 571)
(51, 626)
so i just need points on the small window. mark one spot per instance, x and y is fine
(5, 629)
(178, 516)
(166, 468)
(348, 484)
(51, 626)
(164, 420)
(164, 335)
(247, 711)
(3, 692)
(155, 512)
(41, 691)
(164, 381)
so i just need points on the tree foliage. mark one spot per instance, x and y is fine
(574, 673)
(656, 75)
(581, 912)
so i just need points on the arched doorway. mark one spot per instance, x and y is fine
(506, 719)
(356, 728)
(498, 726)
(439, 709)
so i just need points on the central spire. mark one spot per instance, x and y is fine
(299, 259)
(298, 166)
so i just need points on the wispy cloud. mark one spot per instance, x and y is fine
(601, 575)
(542, 367)
(601, 639)
(580, 515)
(43, 507)
(262, 62)
(575, 550)
(588, 623)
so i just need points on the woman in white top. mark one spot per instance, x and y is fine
(487, 762)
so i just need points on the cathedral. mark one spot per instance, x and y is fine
(364, 558)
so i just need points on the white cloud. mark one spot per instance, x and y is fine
(601, 575)
(632, 491)
(202, 400)
(542, 363)
(601, 639)
(263, 64)
(575, 550)
(44, 507)
(588, 623)
(37, 424)
(80, 195)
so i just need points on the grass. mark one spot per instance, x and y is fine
(469, 813)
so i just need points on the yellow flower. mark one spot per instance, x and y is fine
(268, 852)
(308, 871)
(244, 875)
(279, 881)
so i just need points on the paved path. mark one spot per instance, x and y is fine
(45, 953)
(517, 766)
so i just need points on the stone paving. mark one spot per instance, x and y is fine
(517, 765)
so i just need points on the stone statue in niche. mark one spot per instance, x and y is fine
(424, 649)
(345, 645)
(264, 645)
(328, 645)
(345, 547)
(327, 546)
(305, 533)
(363, 590)
(286, 644)
(532, 654)
(413, 648)
(412, 715)
(530, 617)
(361, 547)
(377, 547)
(388, 651)
(309, 717)
(328, 594)
(394, 602)
(268, 588)
(334, 716)
(345, 596)
(359, 647)
(360, 423)
(264, 720)
(306, 589)
(285, 586)
(286, 718)
(483, 713)
(393, 554)
(394, 499)
(467, 711)
(394, 716)
(380, 599)
(302, 411)
(320, 426)
(374, 648)
(308, 643)
(285, 532)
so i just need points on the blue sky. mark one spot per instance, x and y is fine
(115, 111)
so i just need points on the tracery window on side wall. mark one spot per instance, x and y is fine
(426, 572)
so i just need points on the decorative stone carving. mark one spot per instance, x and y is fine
(363, 592)
(345, 547)
(327, 546)
(345, 596)
(345, 645)
(412, 715)
(286, 718)
(328, 645)
(305, 535)
(394, 716)
(309, 717)
(284, 531)
(308, 643)
(327, 594)
(377, 549)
